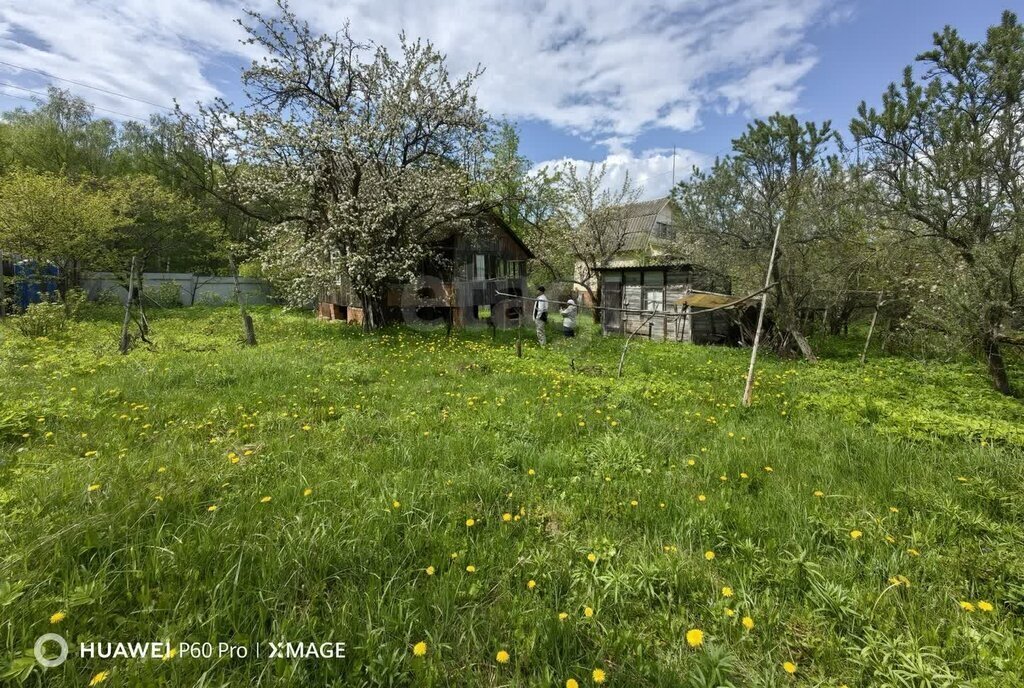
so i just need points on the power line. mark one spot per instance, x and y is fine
(83, 85)
(45, 95)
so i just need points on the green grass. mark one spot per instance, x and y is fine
(111, 464)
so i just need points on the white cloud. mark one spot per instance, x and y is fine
(651, 170)
(598, 68)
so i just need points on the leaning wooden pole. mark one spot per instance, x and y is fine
(871, 329)
(125, 337)
(748, 390)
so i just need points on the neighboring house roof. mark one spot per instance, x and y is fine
(640, 219)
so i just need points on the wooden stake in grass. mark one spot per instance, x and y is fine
(125, 337)
(874, 317)
(250, 330)
(748, 390)
(3, 289)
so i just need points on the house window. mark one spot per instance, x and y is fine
(663, 230)
(480, 271)
(654, 299)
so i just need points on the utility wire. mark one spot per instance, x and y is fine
(97, 107)
(84, 85)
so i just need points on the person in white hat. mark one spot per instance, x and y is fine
(569, 318)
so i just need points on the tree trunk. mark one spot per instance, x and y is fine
(373, 311)
(996, 364)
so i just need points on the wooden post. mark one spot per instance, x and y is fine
(3, 288)
(748, 390)
(874, 317)
(519, 328)
(250, 330)
(125, 338)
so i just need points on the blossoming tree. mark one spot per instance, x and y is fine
(357, 161)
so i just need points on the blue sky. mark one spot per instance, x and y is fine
(613, 81)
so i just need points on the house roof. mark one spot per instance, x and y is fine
(640, 219)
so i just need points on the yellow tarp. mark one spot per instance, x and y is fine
(705, 300)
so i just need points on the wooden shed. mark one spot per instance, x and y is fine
(630, 295)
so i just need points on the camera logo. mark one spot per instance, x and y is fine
(54, 661)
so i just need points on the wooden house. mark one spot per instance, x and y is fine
(649, 276)
(459, 286)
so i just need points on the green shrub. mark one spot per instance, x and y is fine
(42, 319)
(167, 295)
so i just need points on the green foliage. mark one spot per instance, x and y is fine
(42, 319)
(109, 466)
(167, 295)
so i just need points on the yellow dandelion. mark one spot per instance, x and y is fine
(748, 623)
(588, 612)
(789, 667)
(308, 491)
(419, 649)
(506, 517)
(171, 654)
(730, 613)
(430, 570)
(769, 469)
(57, 617)
(966, 606)
(744, 476)
(99, 678)
(701, 498)
(502, 657)
(709, 555)
(562, 616)
(894, 510)
(531, 472)
(470, 523)
(726, 591)
(571, 683)
(856, 534)
(695, 637)
(598, 676)
(470, 569)
(94, 487)
(395, 504)
(985, 606)
(531, 584)
(634, 503)
(819, 493)
(592, 558)
(212, 507)
(913, 552)
(264, 500)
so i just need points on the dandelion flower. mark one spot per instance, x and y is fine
(308, 491)
(819, 493)
(588, 612)
(419, 649)
(264, 500)
(789, 667)
(58, 617)
(856, 534)
(598, 676)
(502, 657)
(99, 678)
(709, 555)
(913, 552)
(395, 504)
(695, 637)
(212, 507)
(966, 606)
(430, 570)
(985, 606)
(94, 487)
(470, 523)
(730, 613)
(571, 683)
(562, 616)
(531, 472)
(592, 558)
(701, 498)
(726, 591)
(531, 584)
(171, 654)
(748, 623)
(470, 569)
(769, 469)
(506, 517)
